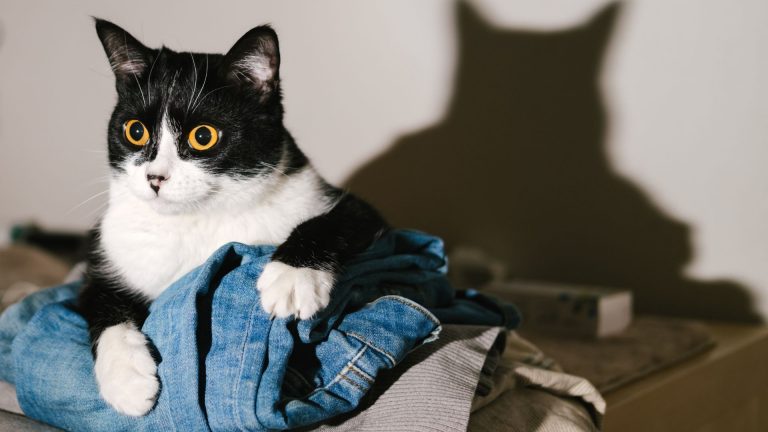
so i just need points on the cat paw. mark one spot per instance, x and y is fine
(299, 291)
(125, 370)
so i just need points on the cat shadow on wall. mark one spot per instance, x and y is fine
(518, 167)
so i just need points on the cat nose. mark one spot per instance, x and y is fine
(155, 180)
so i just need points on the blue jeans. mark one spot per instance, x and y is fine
(224, 364)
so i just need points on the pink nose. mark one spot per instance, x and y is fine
(155, 180)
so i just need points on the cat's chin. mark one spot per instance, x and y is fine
(169, 208)
(170, 203)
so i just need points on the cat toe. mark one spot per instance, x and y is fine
(277, 297)
(299, 291)
(312, 293)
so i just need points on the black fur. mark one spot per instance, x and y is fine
(105, 301)
(249, 111)
(326, 242)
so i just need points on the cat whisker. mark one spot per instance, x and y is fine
(240, 74)
(105, 204)
(87, 201)
(173, 84)
(98, 209)
(149, 77)
(140, 90)
(202, 86)
(273, 168)
(245, 175)
(194, 85)
(130, 59)
(200, 102)
(342, 195)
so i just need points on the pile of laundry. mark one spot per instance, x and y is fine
(397, 349)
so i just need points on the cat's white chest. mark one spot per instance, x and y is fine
(150, 251)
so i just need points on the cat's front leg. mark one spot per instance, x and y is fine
(299, 279)
(125, 370)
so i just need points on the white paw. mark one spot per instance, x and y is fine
(299, 291)
(125, 370)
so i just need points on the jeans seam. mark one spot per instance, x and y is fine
(429, 315)
(353, 382)
(341, 375)
(365, 341)
(346, 367)
(359, 372)
(242, 365)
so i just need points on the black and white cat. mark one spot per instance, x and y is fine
(199, 157)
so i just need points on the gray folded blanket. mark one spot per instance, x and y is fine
(478, 379)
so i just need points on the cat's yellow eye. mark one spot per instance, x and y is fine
(135, 132)
(203, 137)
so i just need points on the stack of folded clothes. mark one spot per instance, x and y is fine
(225, 364)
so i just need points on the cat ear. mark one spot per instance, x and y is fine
(127, 56)
(255, 60)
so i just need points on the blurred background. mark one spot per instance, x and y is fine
(621, 144)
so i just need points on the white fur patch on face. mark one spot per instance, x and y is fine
(185, 183)
(299, 291)
(125, 370)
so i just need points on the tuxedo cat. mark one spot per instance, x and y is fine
(199, 157)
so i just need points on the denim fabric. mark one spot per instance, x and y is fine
(224, 364)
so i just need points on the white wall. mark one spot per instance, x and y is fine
(685, 85)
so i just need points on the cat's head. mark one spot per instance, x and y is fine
(193, 130)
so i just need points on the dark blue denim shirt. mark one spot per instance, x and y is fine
(224, 363)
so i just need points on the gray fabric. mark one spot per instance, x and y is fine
(564, 385)
(10, 422)
(434, 390)
(8, 400)
(24, 269)
(529, 392)
(526, 409)
(431, 391)
(648, 345)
